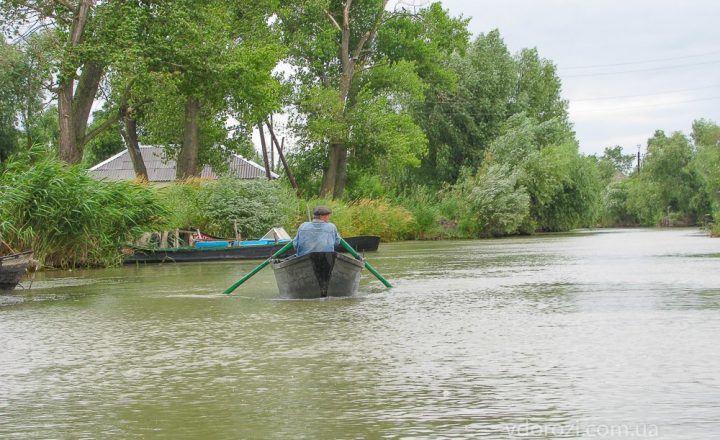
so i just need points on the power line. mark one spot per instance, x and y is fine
(629, 63)
(620, 72)
(637, 96)
(664, 104)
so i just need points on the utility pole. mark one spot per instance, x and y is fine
(638, 159)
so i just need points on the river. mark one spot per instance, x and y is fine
(608, 333)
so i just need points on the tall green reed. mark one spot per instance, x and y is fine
(68, 218)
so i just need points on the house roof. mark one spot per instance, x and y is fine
(160, 169)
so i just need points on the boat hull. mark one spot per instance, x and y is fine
(13, 268)
(184, 255)
(362, 243)
(318, 275)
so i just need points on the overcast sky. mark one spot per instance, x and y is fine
(628, 67)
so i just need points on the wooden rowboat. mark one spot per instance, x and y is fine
(318, 275)
(13, 268)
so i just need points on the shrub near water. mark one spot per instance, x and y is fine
(216, 206)
(366, 217)
(68, 218)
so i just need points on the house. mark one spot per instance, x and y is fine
(120, 167)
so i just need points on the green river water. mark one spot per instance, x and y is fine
(594, 334)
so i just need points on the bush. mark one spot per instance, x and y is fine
(68, 218)
(366, 217)
(424, 206)
(495, 204)
(216, 206)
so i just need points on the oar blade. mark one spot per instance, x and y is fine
(368, 266)
(237, 284)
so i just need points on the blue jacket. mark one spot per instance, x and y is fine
(316, 236)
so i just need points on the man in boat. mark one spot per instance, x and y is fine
(319, 235)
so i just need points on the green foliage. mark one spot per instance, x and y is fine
(706, 135)
(365, 186)
(105, 144)
(668, 170)
(365, 109)
(424, 205)
(495, 203)
(461, 121)
(24, 74)
(621, 163)
(215, 206)
(68, 218)
(615, 209)
(564, 188)
(365, 217)
(221, 53)
(495, 91)
(538, 92)
(10, 68)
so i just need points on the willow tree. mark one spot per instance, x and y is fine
(493, 85)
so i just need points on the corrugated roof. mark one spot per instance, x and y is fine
(119, 167)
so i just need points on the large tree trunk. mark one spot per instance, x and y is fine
(327, 187)
(341, 175)
(187, 162)
(335, 176)
(67, 147)
(83, 100)
(74, 110)
(129, 133)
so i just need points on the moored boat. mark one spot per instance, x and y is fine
(194, 254)
(362, 243)
(318, 275)
(204, 247)
(13, 268)
(217, 249)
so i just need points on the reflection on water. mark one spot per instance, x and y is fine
(554, 336)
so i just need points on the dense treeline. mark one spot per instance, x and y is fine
(401, 120)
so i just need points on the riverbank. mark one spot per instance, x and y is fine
(71, 220)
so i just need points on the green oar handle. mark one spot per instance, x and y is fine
(367, 265)
(282, 250)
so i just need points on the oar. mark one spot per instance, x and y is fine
(282, 250)
(367, 265)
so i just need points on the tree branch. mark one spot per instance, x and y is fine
(333, 20)
(369, 35)
(67, 5)
(107, 123)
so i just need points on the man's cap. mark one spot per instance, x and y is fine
(322, 210)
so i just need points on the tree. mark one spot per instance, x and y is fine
(81, 58)
(351, 76)
(462, 122)
(706, 136)
(193, 66)
(538, 89)
(564, 187)
(10, 73)
(668, 174)
(621, 163)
